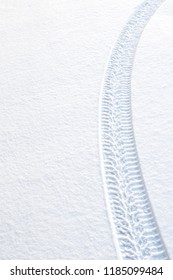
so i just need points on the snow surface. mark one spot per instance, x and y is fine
(53, 56)
(134, 227)
(152, 103)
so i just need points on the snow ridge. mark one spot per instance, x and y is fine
(135, 230)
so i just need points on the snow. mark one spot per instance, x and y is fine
(152, 102)
(134, 227)
(53, 56)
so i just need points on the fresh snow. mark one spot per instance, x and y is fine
(53, 56)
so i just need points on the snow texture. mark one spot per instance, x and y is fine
(53, 56)
(135, 230)
(152, 103)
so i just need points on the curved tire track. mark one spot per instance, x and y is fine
(134, 227)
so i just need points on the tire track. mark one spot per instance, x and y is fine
(134, 227)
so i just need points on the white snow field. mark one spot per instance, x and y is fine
(152, 103)
(135, 231)
(53, 58)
